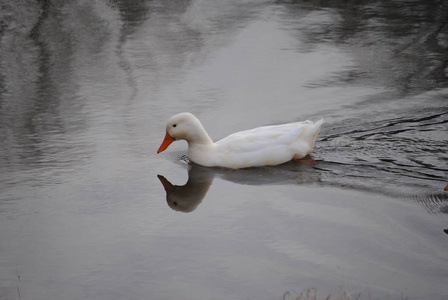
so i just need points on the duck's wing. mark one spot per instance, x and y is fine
(262, 137)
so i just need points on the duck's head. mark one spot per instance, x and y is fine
(184, 126)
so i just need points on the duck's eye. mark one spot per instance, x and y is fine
(174, 125)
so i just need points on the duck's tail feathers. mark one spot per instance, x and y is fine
(312, 131)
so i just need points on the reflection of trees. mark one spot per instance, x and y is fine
(59, 56)
(132, 12)
(19, 78)
(45, 45)
(403, 44)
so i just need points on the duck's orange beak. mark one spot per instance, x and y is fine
(166, 142)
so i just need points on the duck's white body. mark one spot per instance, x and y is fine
(262, 146)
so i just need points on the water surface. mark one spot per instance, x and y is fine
(86, 89)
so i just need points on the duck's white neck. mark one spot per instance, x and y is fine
(198, 135)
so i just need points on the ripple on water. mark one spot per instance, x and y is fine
(402, 149)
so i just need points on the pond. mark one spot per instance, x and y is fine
(88, 210)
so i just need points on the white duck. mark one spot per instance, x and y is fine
(262, 146)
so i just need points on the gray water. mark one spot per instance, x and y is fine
(86, 88)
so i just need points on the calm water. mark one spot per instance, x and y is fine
(87, 86)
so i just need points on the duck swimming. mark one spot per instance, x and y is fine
(261, 146)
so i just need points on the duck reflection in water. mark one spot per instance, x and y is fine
(186, 198)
